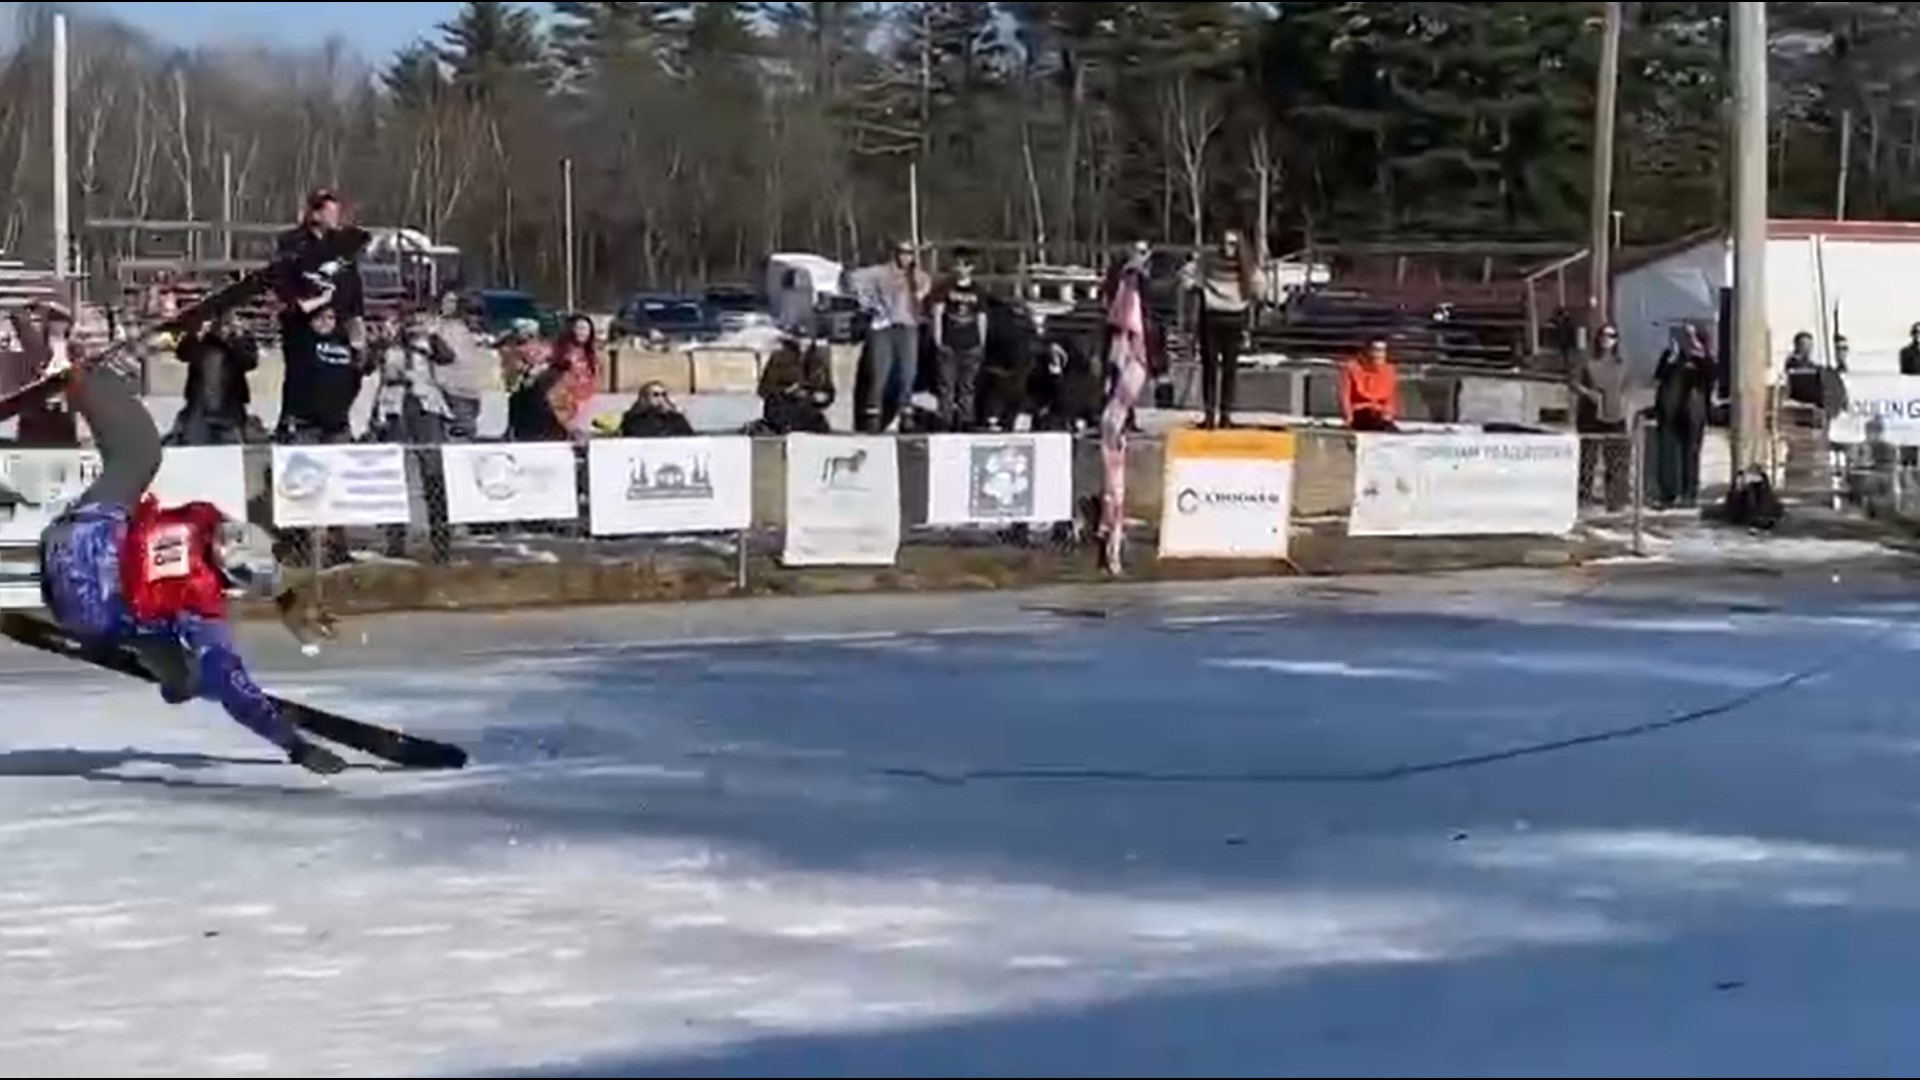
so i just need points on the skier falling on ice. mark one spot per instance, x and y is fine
(117, 569)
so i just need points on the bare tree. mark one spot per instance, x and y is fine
(1195, 116)
(1263, 168)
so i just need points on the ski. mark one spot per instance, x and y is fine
(342, 245)
(398, 747)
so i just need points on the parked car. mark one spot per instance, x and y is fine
(841, 320)
(736, 308)
(494, 311)
(666, 318)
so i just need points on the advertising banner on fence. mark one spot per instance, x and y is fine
(347, 484)
(50, 479)
(215, 474)
(499, 483)
(1464, 484)
(1880, 408)
(1228, 495)
(999, 479)
(843, 500)
(652, 486)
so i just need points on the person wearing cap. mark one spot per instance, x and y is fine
(322, 216)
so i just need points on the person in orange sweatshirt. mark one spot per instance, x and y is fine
(1369, 390)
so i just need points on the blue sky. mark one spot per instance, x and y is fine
(375, 29)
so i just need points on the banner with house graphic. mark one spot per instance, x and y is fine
(655, 486)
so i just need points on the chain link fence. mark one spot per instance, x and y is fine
(1614, 486)
(438, 539)
(442, 539)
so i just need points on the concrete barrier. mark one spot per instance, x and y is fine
(725, 371)
(631, 367)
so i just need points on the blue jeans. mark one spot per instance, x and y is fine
(894, 355)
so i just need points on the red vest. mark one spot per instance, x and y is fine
(167, 568)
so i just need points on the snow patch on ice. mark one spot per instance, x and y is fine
(1626, 666)
(1702, 544)
(1325, 668)
(1671, 849)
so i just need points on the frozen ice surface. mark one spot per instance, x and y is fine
(1245, 831)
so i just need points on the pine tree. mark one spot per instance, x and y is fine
(586, 32)
(493, 50)
(414, 81)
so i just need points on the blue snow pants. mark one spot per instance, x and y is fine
(194, 656)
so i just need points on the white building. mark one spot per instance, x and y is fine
(1860, 279)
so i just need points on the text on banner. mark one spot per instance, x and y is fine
(1465, 484)
(678, 485)
(499, 483)
(344, 484)
(1880, 408)
(1227, 495)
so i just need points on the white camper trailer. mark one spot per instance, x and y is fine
(797, 283)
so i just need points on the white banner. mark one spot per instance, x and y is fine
(678, 485)
(1880, 408)
(214, 474)
(51, 479)
(843, 500)
(1227, 495)
(1465, 484)
(343, 484)
(48, 480)
(491, 483)
(995, 479)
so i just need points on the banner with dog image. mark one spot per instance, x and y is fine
(843, 500)
(655, 486)
(1228, 495)
(999, 479)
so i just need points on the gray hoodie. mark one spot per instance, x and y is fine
(473, 371)
(1601, 385)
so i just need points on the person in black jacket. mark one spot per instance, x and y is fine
(341, 281)
(796, 387)
(1683, 388)
(653, 415)
(218, 358)
(325, 370)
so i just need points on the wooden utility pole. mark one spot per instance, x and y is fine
(571, 255)
(1846, 165)
(62, 226)
(1751, 437)
(1600, 215)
